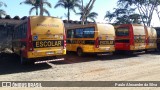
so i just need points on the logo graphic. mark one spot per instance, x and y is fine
(48, 32)
(6, 84)
(35, 37)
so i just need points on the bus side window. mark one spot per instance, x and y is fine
(16, 33)
(78, 33)
(19, 32)
(70, 33)
(24, 30)
(89, 32)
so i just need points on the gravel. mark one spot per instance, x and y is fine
(138, 67)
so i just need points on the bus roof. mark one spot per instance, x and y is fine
(86, 25)
(128, 25)
(25, 20)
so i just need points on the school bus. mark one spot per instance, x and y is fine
(91, 38)
(39, 36)
(151, 40)
(130, 37)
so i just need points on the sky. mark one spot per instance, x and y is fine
(101, 7)
(14, 8)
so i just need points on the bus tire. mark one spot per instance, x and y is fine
(80, 52)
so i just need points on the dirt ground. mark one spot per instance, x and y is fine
(137, 67)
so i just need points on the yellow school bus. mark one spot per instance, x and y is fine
(39, 36)
(91, 38)
(151, 38)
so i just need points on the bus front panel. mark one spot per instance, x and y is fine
(47, 35)
(139, 37)
(151, 38)
(106, 37)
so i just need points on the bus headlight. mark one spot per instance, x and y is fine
(55, 36)
(100, 38)
(61, 37)
(59, 52)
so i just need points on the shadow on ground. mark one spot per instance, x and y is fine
(153, 52)
(72, 58)
(10, 63)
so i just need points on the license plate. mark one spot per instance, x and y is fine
(59, 52)
(49, 53)
(107, 49)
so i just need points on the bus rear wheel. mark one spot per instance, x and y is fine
(80, 52)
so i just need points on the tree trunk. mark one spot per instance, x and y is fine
(68, 14)
(90, 4)
(86, 20)
(37, 10)
(41, 7)
(82, 22)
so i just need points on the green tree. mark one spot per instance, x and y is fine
(2, 12)
(122, 16)
(157, 9)
(36, 4)
(69, 5)
(146, 8)
(86, 11)
(88, 15)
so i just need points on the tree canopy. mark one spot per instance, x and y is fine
(86, 13)
(2, 12)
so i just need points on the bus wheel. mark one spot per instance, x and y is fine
(79, 52)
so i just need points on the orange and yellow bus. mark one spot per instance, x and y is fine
(91, 38)
(151, 39)
(39, 36)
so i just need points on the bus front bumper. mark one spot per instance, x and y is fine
(46, 53)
